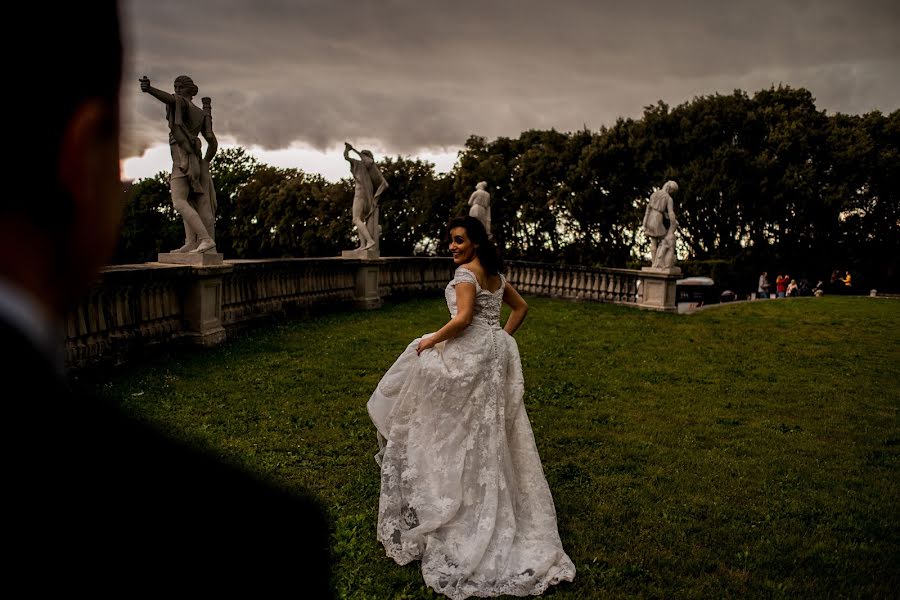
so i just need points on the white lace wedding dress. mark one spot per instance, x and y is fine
(462, 487)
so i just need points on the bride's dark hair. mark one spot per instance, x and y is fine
(487, 252)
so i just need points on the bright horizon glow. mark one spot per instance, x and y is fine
(331, 164)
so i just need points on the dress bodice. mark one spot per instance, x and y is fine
(487, 304)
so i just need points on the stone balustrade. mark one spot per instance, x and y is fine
(263, 288)
(131, 307)
(619, 286)
(401, 276)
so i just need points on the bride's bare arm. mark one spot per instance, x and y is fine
(465, 308)
(519, 309)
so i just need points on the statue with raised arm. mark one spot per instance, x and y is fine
(369, 186)
(480, 201)
(190, 183)
(659, 208)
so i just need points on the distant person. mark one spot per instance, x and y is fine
(835, 285)
(846, 280)
(96, 501)
(792, 289)
(779, 286)
(762, 290)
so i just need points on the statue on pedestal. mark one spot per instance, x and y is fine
(369, 186)
(480, 201)
(662, 238)
(190, 183)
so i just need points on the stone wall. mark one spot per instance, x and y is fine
(131, 307)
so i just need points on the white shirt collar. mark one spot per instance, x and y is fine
(22, 311)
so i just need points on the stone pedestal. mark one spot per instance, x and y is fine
(203, 305)
(363, 254)
(190, 258)
(658, 288)
(658, 271)
(367, 297)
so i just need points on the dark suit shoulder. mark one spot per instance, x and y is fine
(94, 492)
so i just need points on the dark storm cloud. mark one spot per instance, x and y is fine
(414, 75)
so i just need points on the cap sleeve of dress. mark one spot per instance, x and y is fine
(463, 275)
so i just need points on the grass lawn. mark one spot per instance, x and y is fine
(750, 450)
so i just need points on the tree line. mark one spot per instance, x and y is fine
(766, 182)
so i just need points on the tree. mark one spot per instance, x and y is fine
(765, 182)
(231, 170)
(150, 224)
(415, 208)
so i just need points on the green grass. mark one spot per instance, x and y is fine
(750, 450)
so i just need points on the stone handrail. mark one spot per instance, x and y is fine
(619, 286)
(131, 307)
(128, 307)
(412, 276)
(262, 288)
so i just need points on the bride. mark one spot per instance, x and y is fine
(462, 487)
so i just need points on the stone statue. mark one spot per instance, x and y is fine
(190, 184)
(369, 186)
(658, 207)
(480, 201)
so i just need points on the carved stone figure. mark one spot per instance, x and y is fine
(190, 184)
(480, 201)
(665, 252)
(659, 208)
(369, 186)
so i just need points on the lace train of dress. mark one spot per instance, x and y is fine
(462, 487)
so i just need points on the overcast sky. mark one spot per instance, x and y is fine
(293, 80)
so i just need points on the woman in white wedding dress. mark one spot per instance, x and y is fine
(462, 487)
